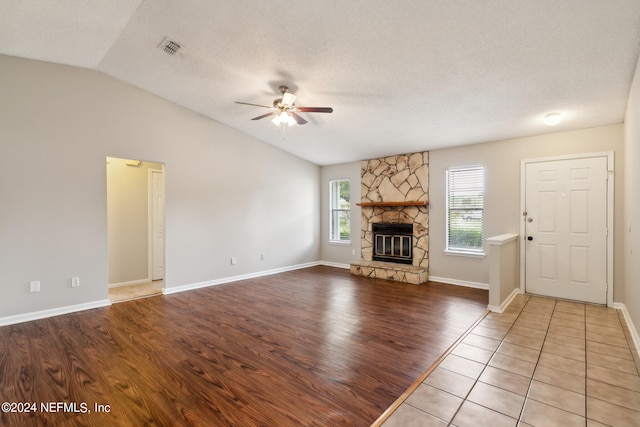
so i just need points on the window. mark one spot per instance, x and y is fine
(340, 215)
(465, 210)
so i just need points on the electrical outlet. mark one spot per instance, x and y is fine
(353, 252)
(234, 261)
(34, 286)
(75, 282)
(261, 257)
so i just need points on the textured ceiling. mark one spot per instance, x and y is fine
(401, 76)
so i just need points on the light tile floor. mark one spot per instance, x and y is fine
(543, 362)
(143, 290)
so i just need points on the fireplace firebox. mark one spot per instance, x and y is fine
(393, 242)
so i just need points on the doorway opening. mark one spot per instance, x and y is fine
(136, 228)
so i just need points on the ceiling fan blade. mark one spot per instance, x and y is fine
(264, 115)
(314, 109)
(254, 105)
(298, 119)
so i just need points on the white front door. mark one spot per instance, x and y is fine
(566, 228)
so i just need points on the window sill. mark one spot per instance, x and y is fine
(466, 254)
(340, 242)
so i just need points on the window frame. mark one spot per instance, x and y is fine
(336, 209)
(456, 249)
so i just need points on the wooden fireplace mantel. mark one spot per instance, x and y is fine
(393, 204)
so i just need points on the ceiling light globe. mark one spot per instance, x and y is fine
(552, 119)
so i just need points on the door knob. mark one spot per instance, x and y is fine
(529, 238)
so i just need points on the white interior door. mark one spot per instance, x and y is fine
(566, 228)
(156, 195)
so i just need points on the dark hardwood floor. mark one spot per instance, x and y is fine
(309, 347)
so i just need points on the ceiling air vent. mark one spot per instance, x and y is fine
(170, 46)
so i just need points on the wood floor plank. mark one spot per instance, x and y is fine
(316, 346)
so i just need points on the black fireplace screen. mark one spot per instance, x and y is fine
(393, 242)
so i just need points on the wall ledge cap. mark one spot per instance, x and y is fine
(502, 239)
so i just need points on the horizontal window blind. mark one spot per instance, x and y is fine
(340, 210)
(465, 209)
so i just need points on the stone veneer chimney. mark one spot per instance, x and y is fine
(401, 181)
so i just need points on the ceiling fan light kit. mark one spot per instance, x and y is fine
(283, 118)
(285, 109)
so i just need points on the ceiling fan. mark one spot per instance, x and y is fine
(285, 110)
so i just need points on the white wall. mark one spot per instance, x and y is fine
(632, 199)
(336, 252)
(227, 194)
(501, 160)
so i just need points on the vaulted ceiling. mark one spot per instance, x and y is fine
(402, 76)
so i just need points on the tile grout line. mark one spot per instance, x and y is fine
(528, 303)
(586, 369)
(620, 321)
(404, 396)
(586, 365)
(465, 399)
(535, 368)
(554, 310)
(526, 396)
(629, 339)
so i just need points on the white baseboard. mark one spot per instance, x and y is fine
(632, 327)
(192, 286)
(457, 282)
(132, 282)
(26, 317)
(335, 264)
(502, 307)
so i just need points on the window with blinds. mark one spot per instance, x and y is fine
(465, 209)
(340, 211)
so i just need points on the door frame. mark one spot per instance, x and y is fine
(150, 223)
(610, 212)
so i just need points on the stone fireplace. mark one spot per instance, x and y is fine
(395, 192)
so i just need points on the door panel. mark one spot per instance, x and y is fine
(547, 208)
(566, 229)
(579, 266)
(579, 211)
(548, 262)
(157, 225)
